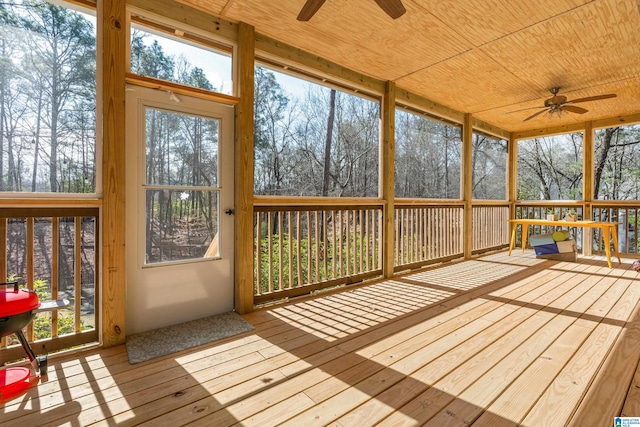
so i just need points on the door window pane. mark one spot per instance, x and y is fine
(181, 225)
(182, 149)
(181, 180)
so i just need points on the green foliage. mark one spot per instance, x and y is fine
(42, 322)
(308, 264)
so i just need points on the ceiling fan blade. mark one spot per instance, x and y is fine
(593, 98)
(525, 109)
(574, 109)
(309, 9)
(394, 8)
(536, 114)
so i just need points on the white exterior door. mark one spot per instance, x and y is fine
(179, 199)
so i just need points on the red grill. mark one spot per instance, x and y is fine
(17, 309)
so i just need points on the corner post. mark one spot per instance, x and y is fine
(467, 185)
(512, 175)
(112, 40)
(387, 180)
(587, 187)
(244, 127)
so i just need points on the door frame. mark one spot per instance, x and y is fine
(162, 294)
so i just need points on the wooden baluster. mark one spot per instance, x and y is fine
(258, 253)
(299, 246)
(290, 245)
(270, 248)
(280, 253)
(55, 271)
(77, 279)
(30, 267)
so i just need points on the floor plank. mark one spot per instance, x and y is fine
(495, 341)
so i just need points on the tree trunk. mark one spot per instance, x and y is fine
(606, 145)
(36, 148)
(327, 143)
(327, 154)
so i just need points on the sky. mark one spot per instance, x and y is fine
(217, 67)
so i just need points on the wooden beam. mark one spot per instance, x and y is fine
(243, 264)
(3, 250)
(467, 184)
(587, 163)
(48, 203)
(490, 129)
(317, 202)
(187, 15)
(387, 180)
(180, 89)
(406, 98)
(557, 130)
(617, 121)
(112, 37)
(282, 53)
(623, 120)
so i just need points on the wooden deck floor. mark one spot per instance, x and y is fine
(497, 341)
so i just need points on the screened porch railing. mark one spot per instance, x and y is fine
(301, 248)
(626, 213)
(426, 232)
(53, 251)
(490, 229)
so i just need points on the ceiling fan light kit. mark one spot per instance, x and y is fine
(558, 104)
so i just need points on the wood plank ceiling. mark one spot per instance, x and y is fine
(485, 57)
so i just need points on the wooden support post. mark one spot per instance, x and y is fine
(112, 38)
(387, 181)
(467, 184)
(587, 187)
(512, 175)
(243, 264)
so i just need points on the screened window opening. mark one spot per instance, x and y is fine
(550, 168)
(428, 157)
(489, 165)
(157, 55)
(617, 163)
(48, 90)
(313, 140)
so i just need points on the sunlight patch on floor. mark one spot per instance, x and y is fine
(466, 275)
(339, 315)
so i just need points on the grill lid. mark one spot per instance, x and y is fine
(19, 301)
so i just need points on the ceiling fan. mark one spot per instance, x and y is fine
(393, 8)
(559, 103)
